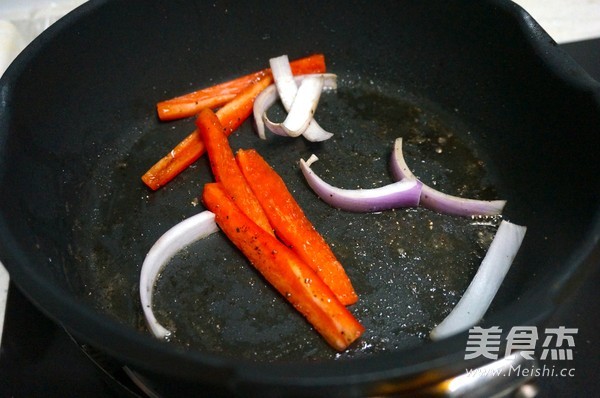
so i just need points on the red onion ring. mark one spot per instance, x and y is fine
(287, 88)
(439, 201)
(405, 193)
(302, 110)
(269, 96)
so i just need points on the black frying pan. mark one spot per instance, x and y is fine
(488, 107)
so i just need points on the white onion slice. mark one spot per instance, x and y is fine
(284, 80)
(287, 88)
(269, 96)
(404, 193)
(439, 201)
(315, 133)
(486, 282)
(302, 110)
(179, 236)
(262, 103)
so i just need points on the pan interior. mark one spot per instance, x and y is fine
(409, 266)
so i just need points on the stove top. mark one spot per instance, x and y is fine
(38, 358)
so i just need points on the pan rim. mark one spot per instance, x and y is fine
(77, 318)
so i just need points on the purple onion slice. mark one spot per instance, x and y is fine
(438, 201)
(405, 193)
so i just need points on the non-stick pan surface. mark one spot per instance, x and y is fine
(488, 108)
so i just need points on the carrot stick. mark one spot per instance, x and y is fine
(285, 271)
(173, 110)
(226, 170)
(236, 111)
(292, 226)
(232, 115)
(211, 97)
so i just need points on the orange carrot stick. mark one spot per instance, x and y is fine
(226, 170)
(232, 115)
(218, 95)
(173, 110)
(285, 271)
(292, 226)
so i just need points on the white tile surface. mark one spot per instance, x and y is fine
(20, 21)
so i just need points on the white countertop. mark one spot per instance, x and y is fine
(566, 20)
(21, 20)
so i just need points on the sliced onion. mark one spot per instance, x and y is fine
(179, 236)
(405, 193)
(269, 96)
(287, 88)
(315, 133)
(441, 202)
(262, 103)
(284, 80)
(303, 108)
(484, 286)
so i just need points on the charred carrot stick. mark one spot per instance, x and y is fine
(226, 170)
(232, 115)
(218, 95)
(292, 226)
(285, 271)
